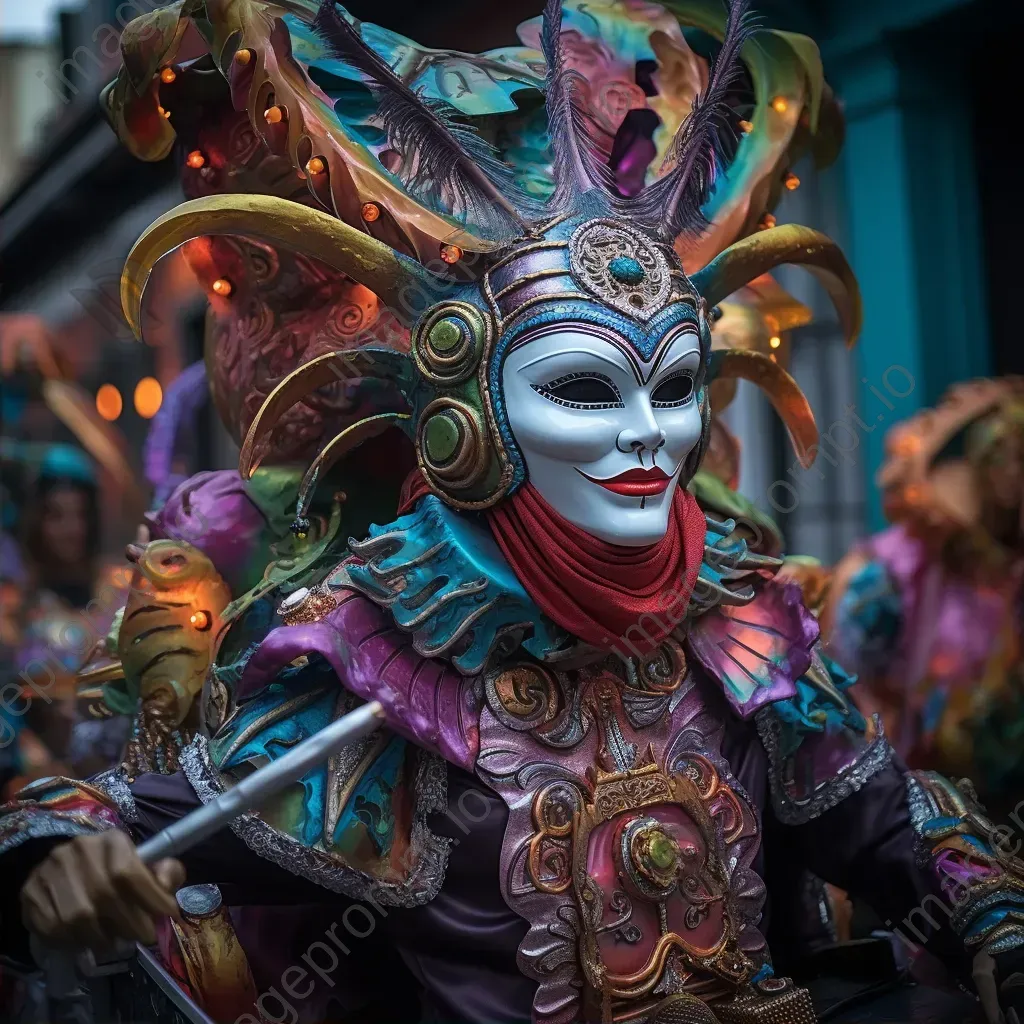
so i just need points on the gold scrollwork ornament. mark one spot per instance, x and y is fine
(648, 786)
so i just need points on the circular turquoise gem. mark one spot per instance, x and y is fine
(626, 270)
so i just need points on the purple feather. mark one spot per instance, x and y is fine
(672, 206)
(577, 168)
(442, 161)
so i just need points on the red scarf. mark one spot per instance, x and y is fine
(627, 598)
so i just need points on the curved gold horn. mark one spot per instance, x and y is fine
(401, 284)
(330, 368)
(783, 392)
(789, 243)
(340, 445)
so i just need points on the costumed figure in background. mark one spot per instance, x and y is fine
(50, 615)
(610, 728)
(929, 611)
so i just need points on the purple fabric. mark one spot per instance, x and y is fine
(12, 568)
(867, 846)
(213, 512)
(425, 699)
(182, 400)
(950, 628)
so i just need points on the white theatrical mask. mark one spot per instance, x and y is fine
(604, 434)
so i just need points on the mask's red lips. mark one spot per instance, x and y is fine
(635, 483)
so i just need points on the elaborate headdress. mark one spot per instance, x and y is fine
(943, 496)
(407, 199)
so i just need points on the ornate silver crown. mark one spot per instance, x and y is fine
(622, 268)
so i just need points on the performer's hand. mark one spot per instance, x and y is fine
(1002, 998)
(94, 890)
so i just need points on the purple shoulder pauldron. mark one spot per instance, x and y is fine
(766, 656)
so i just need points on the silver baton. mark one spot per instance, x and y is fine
(254, 790)
(68, 1001)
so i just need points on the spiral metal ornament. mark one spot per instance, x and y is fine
(448, 342)
(664, 670)
(451, 444)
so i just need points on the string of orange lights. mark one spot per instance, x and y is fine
(148, 398)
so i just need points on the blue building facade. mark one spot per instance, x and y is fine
(916, 90)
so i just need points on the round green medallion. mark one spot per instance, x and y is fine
(445, 335)
(663, 851)
(441, 438)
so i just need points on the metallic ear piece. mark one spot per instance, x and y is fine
(448, 343)
(452, 445)
(458, 449)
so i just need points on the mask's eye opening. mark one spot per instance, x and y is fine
(585, 390)
(674, 391)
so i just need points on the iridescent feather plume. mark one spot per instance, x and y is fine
(443, 162)
(672, 205)
(576, 167)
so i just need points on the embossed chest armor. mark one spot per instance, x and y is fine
(629, 846)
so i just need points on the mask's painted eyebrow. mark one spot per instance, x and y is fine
(679, 350)
(607, 347)
(629, 362)
(588, 352)
(682, 341)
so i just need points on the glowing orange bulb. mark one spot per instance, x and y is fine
(195, 159)
(775, 341)
(168, 75)
(223, 287)
(274, 115)
(780, 104)
(767, 221)
(315, 166)
(108, 402)
(201, 620)
(746, 127)
(370, 212)
(791, 181)
(451, 253)
(243, 57)
(148, 397)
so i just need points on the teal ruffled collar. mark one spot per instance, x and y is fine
(444, 580)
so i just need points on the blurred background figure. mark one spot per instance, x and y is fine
(62, 526)
(53, 557)
(929, 610)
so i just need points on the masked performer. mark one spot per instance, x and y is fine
(928, 612)
(608, 723)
